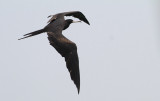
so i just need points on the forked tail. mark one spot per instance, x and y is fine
(33, 33)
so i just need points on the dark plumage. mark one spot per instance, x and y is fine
(63, 46)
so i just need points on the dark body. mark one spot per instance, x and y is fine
(64, 46)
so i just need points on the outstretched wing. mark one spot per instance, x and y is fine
(78, 15)
(68, 50)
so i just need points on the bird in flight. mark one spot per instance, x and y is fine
(63, 46)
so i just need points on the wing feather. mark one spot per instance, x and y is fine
(68, 50)
(77, 14)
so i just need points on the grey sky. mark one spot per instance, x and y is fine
(119, 52)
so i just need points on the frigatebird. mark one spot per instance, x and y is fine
(63, 46)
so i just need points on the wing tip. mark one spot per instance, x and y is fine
(78, 87)
(78, 91)
(88, 23)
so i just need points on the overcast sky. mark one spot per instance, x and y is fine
(119, 53)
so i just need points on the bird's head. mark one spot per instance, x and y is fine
(68, 22)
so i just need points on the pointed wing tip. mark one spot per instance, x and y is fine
(78, 87)
(87, 22)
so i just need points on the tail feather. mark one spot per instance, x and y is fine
(33, 33)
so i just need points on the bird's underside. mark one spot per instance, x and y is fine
(68, 50)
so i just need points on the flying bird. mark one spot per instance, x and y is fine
(65, 47)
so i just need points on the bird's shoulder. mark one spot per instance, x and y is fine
(61, 39)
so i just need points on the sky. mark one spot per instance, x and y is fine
(119, 53)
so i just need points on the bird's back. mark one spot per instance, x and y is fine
(56, 25)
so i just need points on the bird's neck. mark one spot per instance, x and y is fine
(66, 25)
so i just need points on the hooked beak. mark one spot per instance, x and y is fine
(75, 21)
